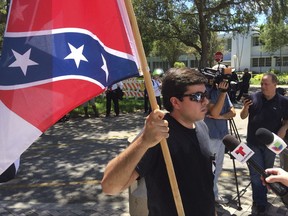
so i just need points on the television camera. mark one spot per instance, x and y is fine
(217, 75)
(220, 74)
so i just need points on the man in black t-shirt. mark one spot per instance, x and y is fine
(184, 97)
(10, 172)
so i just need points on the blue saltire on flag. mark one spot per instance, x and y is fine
(57, 54)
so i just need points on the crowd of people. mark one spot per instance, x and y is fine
(197, 120)
(193, 116)
(237, 85)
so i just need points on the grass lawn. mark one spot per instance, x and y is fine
(127, 105)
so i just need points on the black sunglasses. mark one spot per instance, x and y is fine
(197, 97)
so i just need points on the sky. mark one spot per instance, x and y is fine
(261, 19)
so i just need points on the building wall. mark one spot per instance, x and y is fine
(244, 52)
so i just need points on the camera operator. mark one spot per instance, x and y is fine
(245, 84)
(220, 110)
(233, 86)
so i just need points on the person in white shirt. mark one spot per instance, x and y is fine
(157, 85)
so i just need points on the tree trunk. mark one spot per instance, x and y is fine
(203, 34)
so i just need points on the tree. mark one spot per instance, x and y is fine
(194, 22)
(277, 10)
(3, 17)
(274, 34)
(168, 50)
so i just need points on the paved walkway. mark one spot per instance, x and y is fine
(60, 173)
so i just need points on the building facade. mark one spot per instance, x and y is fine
(241, 51)
(246, 51)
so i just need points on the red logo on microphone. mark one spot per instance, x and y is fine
(240, 150)
(242, 153)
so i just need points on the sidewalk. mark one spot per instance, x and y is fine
(60, 174)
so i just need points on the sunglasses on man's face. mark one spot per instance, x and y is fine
(197, 97)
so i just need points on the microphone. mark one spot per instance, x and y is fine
(232, 144)
(271, 140)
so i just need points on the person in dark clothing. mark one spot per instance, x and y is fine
(281, 91)
(266, 109)
(245, 84)
(146, 102)
(184, 96)
(10, 172)
(233, 86)
(112, 95)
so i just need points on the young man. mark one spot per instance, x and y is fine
(269, 110)
(184, 96)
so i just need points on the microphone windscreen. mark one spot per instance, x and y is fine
(264, 136)
(230, 142)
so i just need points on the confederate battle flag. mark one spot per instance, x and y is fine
(57, 54)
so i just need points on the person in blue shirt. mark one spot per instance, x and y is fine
(220, 110)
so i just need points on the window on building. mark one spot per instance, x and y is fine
(255, 62)
(194, 63)
(285, 61)
(278, 61)
(185, 62)
(228, 44)
(261, 62)
(255, 41)
(163, 64)
(268, 62)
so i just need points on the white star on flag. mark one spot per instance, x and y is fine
(104, 67)
(22, 61)
(76, 54)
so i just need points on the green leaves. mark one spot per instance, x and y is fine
(193, 23)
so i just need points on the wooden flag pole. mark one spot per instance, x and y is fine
(153, 102)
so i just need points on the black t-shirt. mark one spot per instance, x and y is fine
(8, 174)
(246, 78)
(193, 171)
(267, 114)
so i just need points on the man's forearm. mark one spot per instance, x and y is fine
(229, 115)
(119, 171)
(285, 124)
(283, 130)
(217, 107)
(244, 113)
